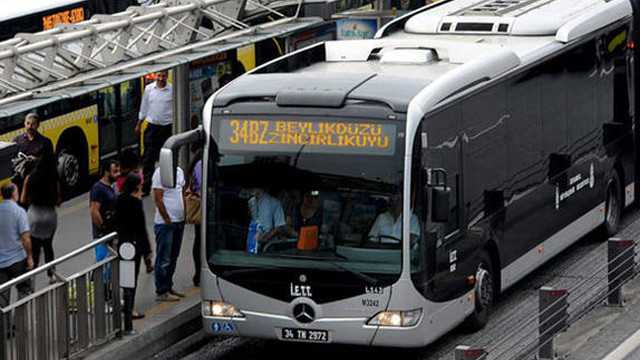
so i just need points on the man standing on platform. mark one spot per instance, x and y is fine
(168, 227)
(157, 109)
(15, 243)
(102, 201)
(32, 144)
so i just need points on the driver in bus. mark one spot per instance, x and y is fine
(266, 215)
(387, 228)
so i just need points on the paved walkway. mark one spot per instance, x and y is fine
(74, 230)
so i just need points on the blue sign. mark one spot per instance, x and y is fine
(349, 29)
(216, 327)
(226, 327)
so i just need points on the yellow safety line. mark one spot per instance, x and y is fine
(165, 305)
(72, 209)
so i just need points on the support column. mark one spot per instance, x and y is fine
(181, 108)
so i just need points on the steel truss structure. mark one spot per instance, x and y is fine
(71, 54)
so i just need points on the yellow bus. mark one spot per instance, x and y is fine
(84, 126)
(7, 152)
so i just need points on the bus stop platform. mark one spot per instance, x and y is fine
(165, 323)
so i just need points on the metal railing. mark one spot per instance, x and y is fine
(66, 317)
(559, 308)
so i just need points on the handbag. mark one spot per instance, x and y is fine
(192, 213)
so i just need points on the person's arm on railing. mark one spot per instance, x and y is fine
(26, 243)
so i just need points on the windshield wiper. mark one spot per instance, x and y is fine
(248, 271)
(370, 280)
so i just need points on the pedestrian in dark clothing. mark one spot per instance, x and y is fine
(32, 144)
(132, 229)
(195, 185)
(15, 243)
(130, 163)
(157, 109)
(41, 194)
(102, 200)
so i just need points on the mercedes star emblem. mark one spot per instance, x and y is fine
(303, 313)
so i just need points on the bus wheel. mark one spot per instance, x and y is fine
(484, 294)
(613, 205)
(68, 168)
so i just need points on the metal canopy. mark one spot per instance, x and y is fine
(159, 36)
(99, 79)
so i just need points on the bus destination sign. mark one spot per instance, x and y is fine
(314, 136)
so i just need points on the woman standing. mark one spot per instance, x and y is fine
(130, 223)
(41, 192)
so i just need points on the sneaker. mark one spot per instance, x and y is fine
(131, 332)
(167, 297)
(176, 293)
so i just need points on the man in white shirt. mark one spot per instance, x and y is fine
(168, 227)
(157, 109)
(387, 228)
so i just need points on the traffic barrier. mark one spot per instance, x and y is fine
(621, 263)
(552, 318)
(67, 317)
(464, 352)
(534, 335)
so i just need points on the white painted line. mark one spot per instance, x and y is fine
(624, 349)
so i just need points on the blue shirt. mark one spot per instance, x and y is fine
(268, 213)
(14, 224)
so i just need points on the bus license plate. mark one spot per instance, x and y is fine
(305, 335)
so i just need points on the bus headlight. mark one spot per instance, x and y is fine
(220, 309)
(396, 318)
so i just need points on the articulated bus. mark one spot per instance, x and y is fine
(413, 177)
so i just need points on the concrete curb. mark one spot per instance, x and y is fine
(165, 325)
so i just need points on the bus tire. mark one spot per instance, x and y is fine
(613, 204)
(69, 168)
(484, 293)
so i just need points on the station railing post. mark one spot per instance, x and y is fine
(464, 352)
(552, 318)
(621, 256)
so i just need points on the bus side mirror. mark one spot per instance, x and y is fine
(440, 198)
(169, 154)
(168, 166)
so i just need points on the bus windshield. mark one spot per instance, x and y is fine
(306, 194)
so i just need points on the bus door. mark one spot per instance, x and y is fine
(445, 239)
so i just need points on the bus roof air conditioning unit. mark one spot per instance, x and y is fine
(408, 56)
(500, 17)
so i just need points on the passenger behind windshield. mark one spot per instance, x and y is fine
(306, 225)
(387, 228)
(267, 219)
